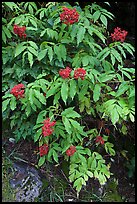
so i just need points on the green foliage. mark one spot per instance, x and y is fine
(107, 91)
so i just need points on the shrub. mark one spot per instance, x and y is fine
(70, 67)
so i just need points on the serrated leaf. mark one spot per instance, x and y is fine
(114, 115)
(85, 60)
(31, 95)
(90, 174)
(28, 109)
(104, 77)
(116, 55)
(40, 96)
(112, 59)
(42, 14)
(33, 51)
(37, 134)
(19, 49)
(80, 34)
(96, 15)
(41, 161)
(64, 91)
(67, 124)
(128, 48)
(72, 88)
(42, 54)
(3, 37)
(55, 156)
(5, 104)
(96, 92)
(122, 88)
(50, 53)
(30, 59)
(103, 20)
(132, 118)
(41, 116)
(13, 103)
(70, 113)
(7, 32)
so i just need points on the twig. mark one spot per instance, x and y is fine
(68, 181)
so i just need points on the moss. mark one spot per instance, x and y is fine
(8, 194)
(111, 194)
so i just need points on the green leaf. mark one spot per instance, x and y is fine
(37, 135)
(109, 103)
(114, 115)
(96, 92)
(62, 51)
(64, 91)
(122, 88)
(112, 59)
(96, 15)
(50, 53)
(33, 51)
(98, 33)
(30, 58)
(42, 54)
(31, 96)
(67, 124)
(103, 52)
(13, 103)
(7, 32)
(28, 109)
(33, 22)
(70, 113)
(103, 19)
(19, 49)
(55, 156)
(93, 164)
(132, 118)
(105, 77)
(5, 104)
(121, 50)
(56, 98)
(33, 44)
(41, 116)
(116, 55)
(85, 60)
(3, 37)
(53, 90)
(72, 88)
(90, 174)
(41, 161)
(40, 96)
(128, 48)
(80, 34)
(78, 184)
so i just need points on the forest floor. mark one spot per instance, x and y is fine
(119, 187)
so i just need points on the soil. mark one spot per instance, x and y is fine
(27, 151)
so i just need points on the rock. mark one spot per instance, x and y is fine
(26, 182)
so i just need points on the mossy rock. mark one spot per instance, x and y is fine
(112, 197)
(60, 184)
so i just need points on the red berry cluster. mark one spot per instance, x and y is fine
(20, 31)
(79, 73)
(46, 128)
(100, 140)
(71, 151)
(17, 91)
(43, 149)
(64, 73)
(119, 35)
(69, 16)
